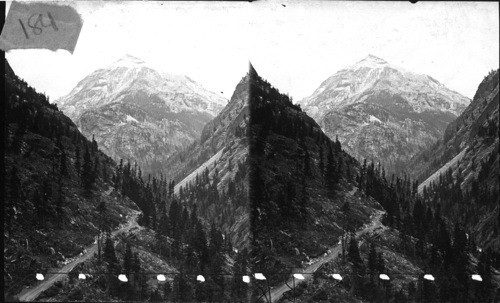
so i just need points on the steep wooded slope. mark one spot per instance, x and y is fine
(302, 185)
(58, 192)
(218, 160)
(460, 172)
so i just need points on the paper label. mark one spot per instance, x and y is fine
(40, 25)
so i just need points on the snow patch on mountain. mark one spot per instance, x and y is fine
(373, 74)
(130, 74)
(352, 103)
(131, 119)
(374, 119)
(136, 112)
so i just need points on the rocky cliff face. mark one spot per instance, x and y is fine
(380, 111)
(137, 113)
(468, 153)
(220, 154)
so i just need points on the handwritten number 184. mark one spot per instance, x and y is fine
(36, 24)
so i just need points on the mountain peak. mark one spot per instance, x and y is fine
(371, 60)
(128, 60)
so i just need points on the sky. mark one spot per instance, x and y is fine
(295, 45)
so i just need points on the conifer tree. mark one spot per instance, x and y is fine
(46, 198)
(380, 262)
(63, 164)
(60, 199)
(307, 160)
(353, 252)
(331, 173)
(95, 172)
(94, 145)
(87, 172)
(127, 260)
(372, 260)
(78, 164)
(338, 146)
(484, 270)
(321, 161)
(104, 173)
(109, 254)
(239, 289)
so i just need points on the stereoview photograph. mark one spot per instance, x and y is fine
(292, 151)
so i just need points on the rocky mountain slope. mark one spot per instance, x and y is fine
(137, 113)
(466, 158)
(220, 157)
(381, 111)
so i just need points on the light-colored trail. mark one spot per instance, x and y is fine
(277, 292)
(31, 293)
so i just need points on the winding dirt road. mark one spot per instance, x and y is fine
(31, 293)
(278, 291)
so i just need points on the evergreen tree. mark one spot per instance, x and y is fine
(94, 145)
(62, 164)
(60, 199)
(113, 267)
(331, 173)
(353, 252)
(87, 172)
(321, 161)
(95, 173)
(239, 291)
(484, 270)
(109, 254)
(372, 260)
(338, 146)
(104, 173)
(127, 260)
(307, 160)
(45, 207)
(380, 262)
(78, 164)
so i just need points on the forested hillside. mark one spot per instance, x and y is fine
(460, 173)
(306, 192)
(62, 192)
(58, 193)
(302, 190)
(212, 172)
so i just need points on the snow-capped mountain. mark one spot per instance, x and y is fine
(381, 111)
(138, 113)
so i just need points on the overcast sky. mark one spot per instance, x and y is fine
(295, 46)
